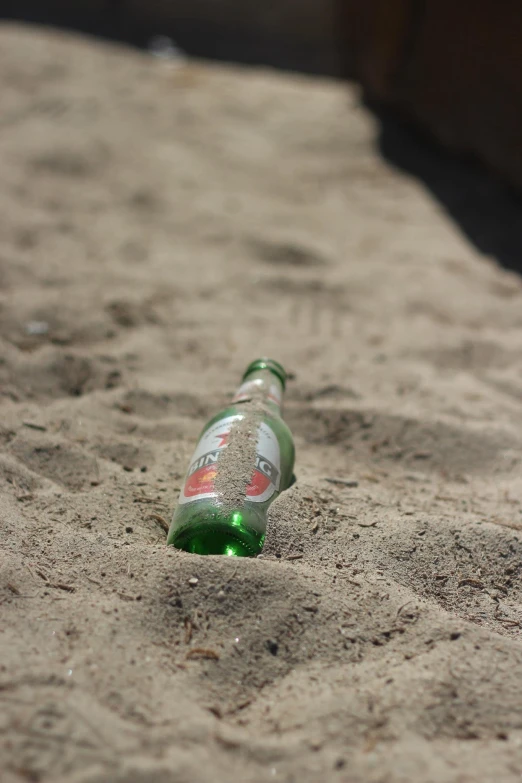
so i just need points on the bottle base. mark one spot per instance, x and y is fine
(218, 537)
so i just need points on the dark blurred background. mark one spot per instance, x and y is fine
(290, 34)
(444, 77)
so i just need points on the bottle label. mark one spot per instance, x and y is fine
(204, 466)
(248, 389)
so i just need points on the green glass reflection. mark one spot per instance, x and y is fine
(215, 533)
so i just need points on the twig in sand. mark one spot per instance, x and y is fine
(234, 572)
(241, 706)
(33, 426)
(399, 610)
(295, 557)
(125, 596)
(145, 499)
(31, 571)
(62, 586)
(471, 582)
(511, 623)
(188, 630)
(203, 652)
(160, 520)
(342, 482)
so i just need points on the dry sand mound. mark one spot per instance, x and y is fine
(161, 227)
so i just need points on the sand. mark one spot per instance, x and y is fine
(160, 228)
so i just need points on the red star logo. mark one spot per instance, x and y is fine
(224, 439)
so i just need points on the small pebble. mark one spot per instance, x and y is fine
(193, 581)
(165, 48)
(37, 327)
(272, 646)
(221, 595)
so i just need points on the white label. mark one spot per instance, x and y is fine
(248, 389)
(204, 465)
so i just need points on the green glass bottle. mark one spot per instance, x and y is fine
(244, 458)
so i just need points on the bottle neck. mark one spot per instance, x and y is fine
(263, 386)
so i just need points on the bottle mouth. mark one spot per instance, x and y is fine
(267, 364)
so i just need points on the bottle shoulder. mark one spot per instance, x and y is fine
(270, 417)
(224, 413)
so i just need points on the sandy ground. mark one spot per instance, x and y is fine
(168, 226)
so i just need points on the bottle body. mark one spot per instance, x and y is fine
(243, 460)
